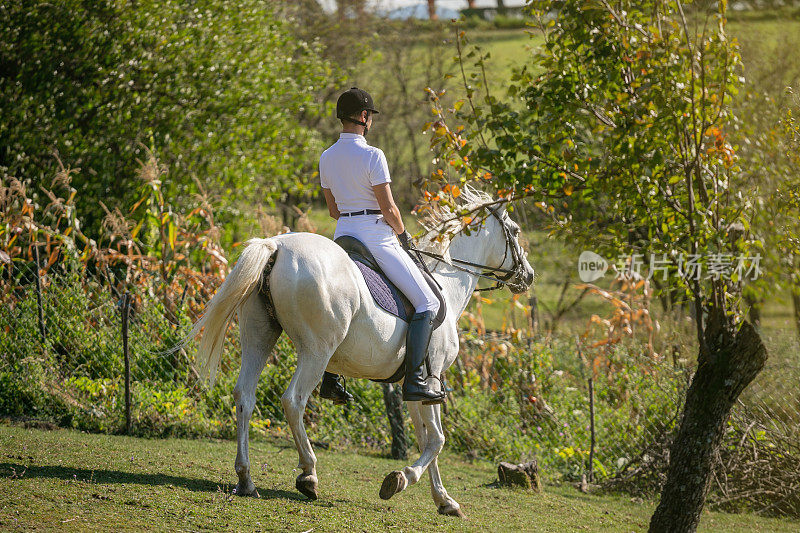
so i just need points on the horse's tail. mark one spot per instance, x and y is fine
(241, 281)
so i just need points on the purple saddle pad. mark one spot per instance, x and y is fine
(385, 293)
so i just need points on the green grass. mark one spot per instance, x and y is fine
(507, 49)
(67, 480)
(513, 48)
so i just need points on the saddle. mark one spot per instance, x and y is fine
(386, 295)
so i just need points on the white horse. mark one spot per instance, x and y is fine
(318, 296)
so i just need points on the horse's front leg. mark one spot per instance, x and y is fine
(428, 428)
(444, 503)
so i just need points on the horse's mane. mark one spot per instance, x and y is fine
(441, 223)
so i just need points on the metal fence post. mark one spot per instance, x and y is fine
(591, 429)
(589, 477)
(125, 314)
(42, 328)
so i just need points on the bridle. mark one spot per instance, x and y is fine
(489, 272)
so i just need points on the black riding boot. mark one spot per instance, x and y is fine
(332, 389)
(417, 340)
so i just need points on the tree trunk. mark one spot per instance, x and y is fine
(350, 8)
(755, 305)
(796, 302)
(728, 365)
(393, 400)
(432, 10)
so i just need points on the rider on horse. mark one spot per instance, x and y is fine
(355, 181)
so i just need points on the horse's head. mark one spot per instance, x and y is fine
(505, 251)
(490, 243)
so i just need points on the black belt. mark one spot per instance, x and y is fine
(362, 212)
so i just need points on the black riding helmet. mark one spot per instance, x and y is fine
(352, 102)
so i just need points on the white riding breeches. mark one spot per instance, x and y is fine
(379, 237)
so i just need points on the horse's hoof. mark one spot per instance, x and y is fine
(246, 490)
(394, 483)
(307, 485)
(451, 510)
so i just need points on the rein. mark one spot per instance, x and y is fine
(489, 272)
(500, 281)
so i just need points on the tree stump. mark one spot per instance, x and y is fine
(524, 475)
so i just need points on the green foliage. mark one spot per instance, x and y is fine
(22, 393)
(766, 148)
(535, 404)
(223, 88)
(618, 129)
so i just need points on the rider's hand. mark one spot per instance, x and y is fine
(406, 240)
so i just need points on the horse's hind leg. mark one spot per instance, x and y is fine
(306, 377)
(258, 332)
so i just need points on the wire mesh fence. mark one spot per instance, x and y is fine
(554, 403)
(605, 417)
(64, 340)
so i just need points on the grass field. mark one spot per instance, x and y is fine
(513, 47)
(69, 481)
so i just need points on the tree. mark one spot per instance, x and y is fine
(350, 9)
(220, 89)
(410, 62)
(767, 146)
(624, 117)
(432, 10)
(787, 200)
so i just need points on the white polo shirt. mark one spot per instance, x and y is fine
(349, 168)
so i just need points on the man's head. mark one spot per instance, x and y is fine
(355, 108)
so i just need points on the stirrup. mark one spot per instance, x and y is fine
(425, 395)
(439, 401)
(431, 397)
(332, 389)
(426, 399)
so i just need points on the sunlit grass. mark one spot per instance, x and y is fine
(70, 481)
